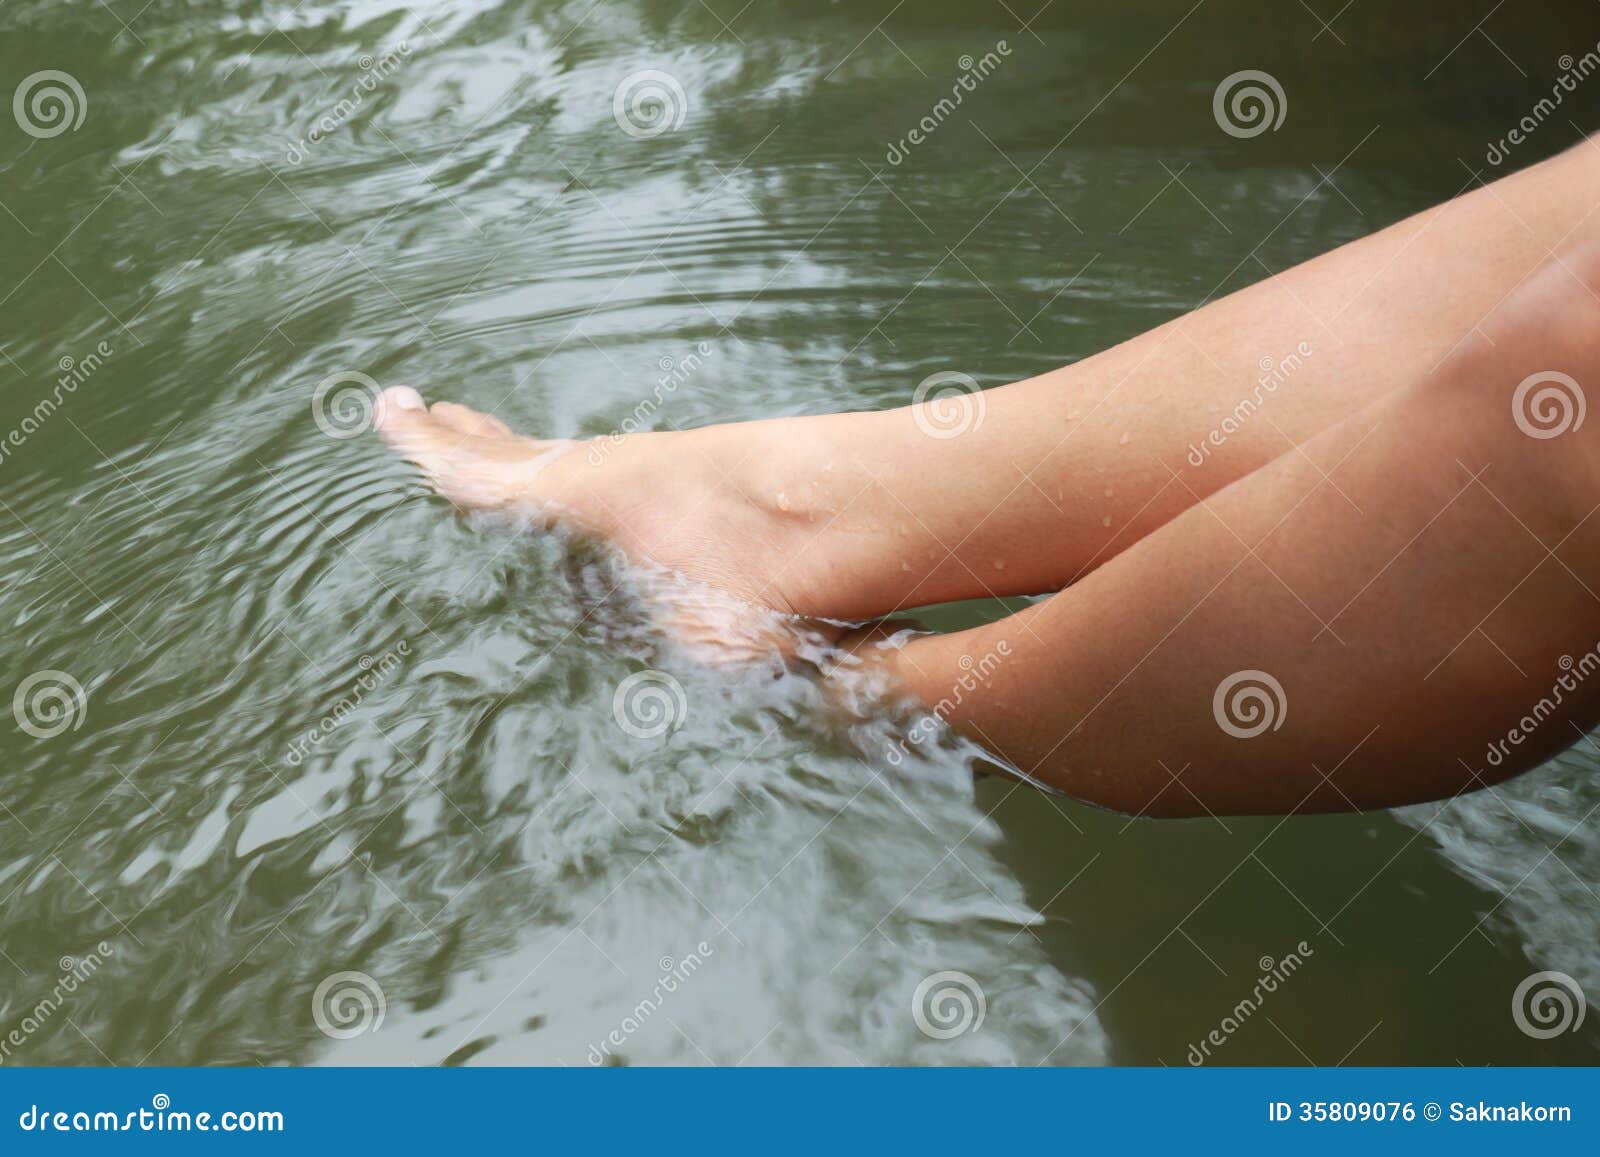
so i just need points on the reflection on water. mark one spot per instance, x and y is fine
(341, 756)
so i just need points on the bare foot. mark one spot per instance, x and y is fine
(666, 499)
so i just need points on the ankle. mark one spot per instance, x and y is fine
(789, 489)
(804, 472)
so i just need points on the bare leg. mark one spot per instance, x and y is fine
(1403, 594)
(855, 515)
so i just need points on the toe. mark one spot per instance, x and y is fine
(398, 407)
(403, 421)
(448, 444)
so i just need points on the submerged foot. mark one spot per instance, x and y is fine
(471, 458)
(666, 500)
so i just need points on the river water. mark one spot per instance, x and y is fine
(250, 204)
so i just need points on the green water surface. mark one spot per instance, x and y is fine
(245, 200)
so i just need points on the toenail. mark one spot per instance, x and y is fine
(406, 398)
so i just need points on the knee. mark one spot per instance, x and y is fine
(1518, 388)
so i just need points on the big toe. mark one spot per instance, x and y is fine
(403, 420)
(399, 408)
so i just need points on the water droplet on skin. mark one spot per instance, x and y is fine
(999, 564)
(905, 566)
(1125, 439)
(783, 500)
(1110, 490)
(1072, 415)
(1106, 521)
